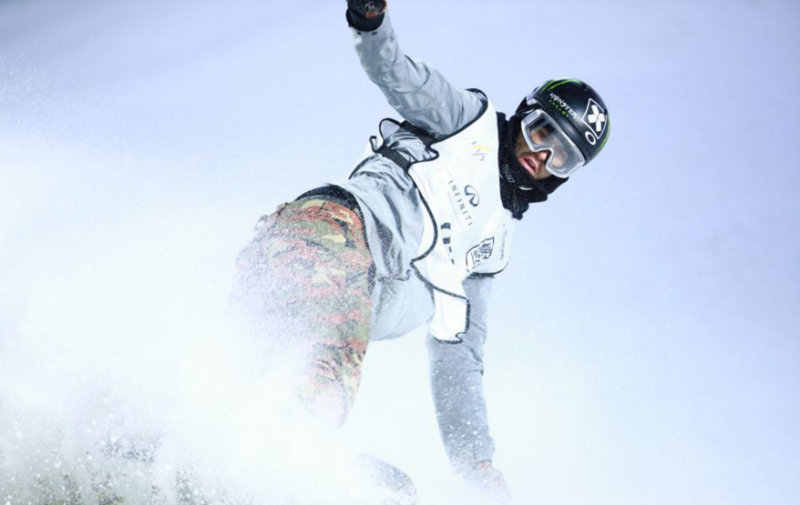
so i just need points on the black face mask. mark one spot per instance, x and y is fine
(518, 189)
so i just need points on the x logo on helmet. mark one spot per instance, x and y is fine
(598, 118)
(595, 117)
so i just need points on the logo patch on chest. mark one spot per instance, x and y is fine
(472, 195)
(461, 204)
(480, 253)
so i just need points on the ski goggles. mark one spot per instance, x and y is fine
(543, 134)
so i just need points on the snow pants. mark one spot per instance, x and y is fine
(304, 283)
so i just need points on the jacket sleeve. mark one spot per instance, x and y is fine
(419, 93)
(457, 384)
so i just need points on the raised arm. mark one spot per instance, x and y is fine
(457, 385)
(417, 91)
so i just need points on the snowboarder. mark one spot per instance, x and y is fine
(415, 235)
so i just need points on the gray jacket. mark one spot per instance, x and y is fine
(393, 215)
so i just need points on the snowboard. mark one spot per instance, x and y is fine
(389, 485)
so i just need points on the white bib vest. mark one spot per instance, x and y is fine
(467, 230)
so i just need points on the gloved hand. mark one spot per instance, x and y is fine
(365, 15)
(367, 8)
(489, 483)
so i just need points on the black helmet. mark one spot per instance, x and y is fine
(576, 108)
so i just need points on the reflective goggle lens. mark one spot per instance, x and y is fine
(542, 133)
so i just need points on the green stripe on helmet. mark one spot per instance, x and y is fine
(554, 84)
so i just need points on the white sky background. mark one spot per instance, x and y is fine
(644, 343)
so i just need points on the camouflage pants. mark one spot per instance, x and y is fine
(304, 282)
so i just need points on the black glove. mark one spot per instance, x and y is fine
(365, 15)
